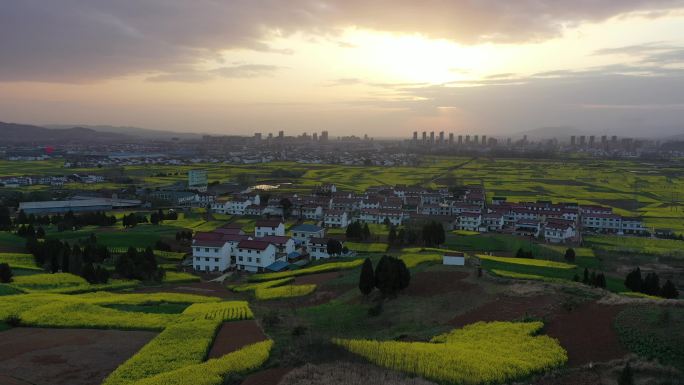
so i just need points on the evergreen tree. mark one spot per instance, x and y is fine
(392, 236)
(5, 273)
(366, 232)
(88, 273)
(40, 233)
(391, 276)
(401, 235)
(633, 281)
(5, 219)
(651, 284)
(626, 376)
(592, 279)
(334, 247)
(570, 255)
(585, 278)
(669, 290)
(367, 277)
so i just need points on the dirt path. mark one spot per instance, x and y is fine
(234, 335)
(42, 356)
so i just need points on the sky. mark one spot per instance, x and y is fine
(384, 68)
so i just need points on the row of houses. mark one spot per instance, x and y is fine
(268, 249)
(464, 209)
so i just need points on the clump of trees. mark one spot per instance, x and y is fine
(159, 216)
(136, 265)
(433, 234)
(390, 276)
(184, 235)
(522, 253)
(650, 284)
(5, 273)
(83, 258)
(334, 247)
(358, 232)
(132, 220)
(68, 221)
(594, 279)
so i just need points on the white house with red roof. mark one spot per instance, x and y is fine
(254, 255)
(265, 227)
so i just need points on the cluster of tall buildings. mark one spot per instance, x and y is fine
(604, 142)
(460, 140)
(323, 137)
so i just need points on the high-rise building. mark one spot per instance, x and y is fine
(467, 139)
(613, 139)
(460, 140)
(604, 140)
(257, 136)
(324, 136)
(583, 140)
(441, 137)
(484, 140)
(415, 136)
(592, 139)
(197, 180)
(476, 139)
(573, 140)
(432, 137)
(424, 136)
(314, 137)
(281, 134)
(451, 138)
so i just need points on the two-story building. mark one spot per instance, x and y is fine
(266, 227)
(301, 233)
(254, 255)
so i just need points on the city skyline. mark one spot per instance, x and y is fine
(351, 68)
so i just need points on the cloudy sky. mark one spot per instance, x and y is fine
(382, 67)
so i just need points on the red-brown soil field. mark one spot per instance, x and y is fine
(41, 356)
(234, 335)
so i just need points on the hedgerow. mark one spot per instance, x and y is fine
(480, 353)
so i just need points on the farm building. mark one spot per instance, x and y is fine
(453, 259)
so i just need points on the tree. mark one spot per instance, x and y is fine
(287, 207)
(651, 284)
(585, 278)
(366, 232)
(391, 276)
(367, 277)
(392, 236)
(633, 280)
(600, 280)
(5, 219)
(40, 233)
(401, 236)
(386, 222)
(570, 254)
(669, 290)
(5, 273)
(626, 376)
(334, 247)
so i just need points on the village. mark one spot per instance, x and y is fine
(270, 248)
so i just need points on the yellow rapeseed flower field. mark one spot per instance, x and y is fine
(332, 266)
(287, 291)
(480, 353)
(528, 261)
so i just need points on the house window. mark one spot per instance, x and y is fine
(240, 259)
(249, 259)
(206, 259)
(197, 267)
(197, 259)
(258, 260)
(216, 259)
(206, 249)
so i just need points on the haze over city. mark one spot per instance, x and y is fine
(382, 68)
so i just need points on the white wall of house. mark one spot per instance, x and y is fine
(211, 258)
(265, 231)
(253, 260)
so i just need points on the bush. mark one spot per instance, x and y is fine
(5, 273)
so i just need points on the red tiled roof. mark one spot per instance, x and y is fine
(253, 244)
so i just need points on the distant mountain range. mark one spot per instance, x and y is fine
(26, 133)
(132, 131)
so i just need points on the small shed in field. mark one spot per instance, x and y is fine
(453, 259)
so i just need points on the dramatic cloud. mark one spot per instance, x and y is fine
(629, 100)
(83, 40)
(238, 71)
